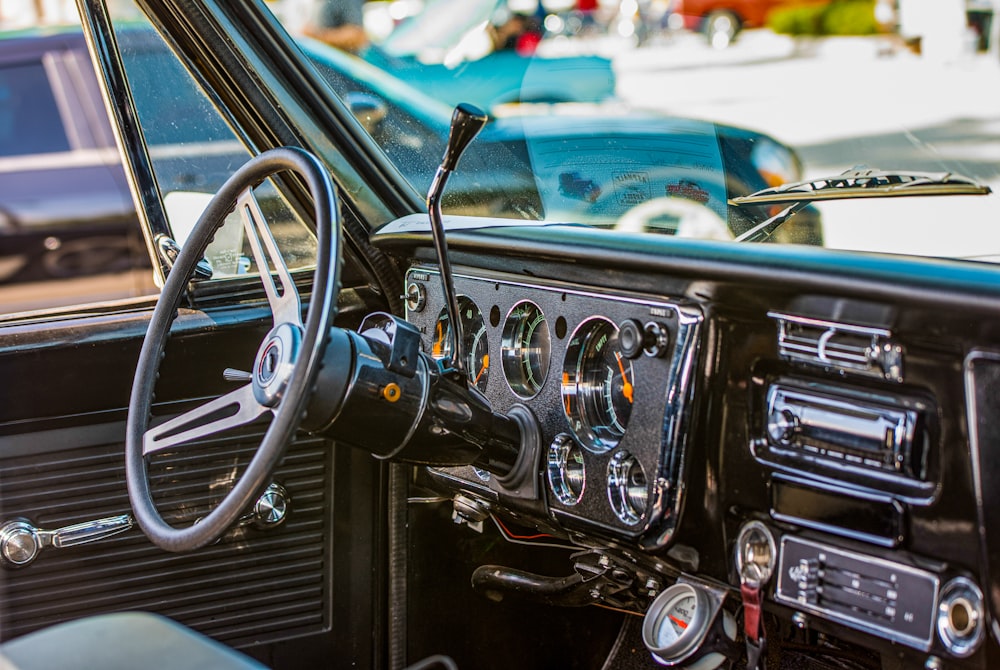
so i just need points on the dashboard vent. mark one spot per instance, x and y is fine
(254, 586)
(839, 346)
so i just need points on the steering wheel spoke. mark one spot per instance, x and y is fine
(232, 410)
(286, 306)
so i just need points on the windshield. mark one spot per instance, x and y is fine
(687, 120)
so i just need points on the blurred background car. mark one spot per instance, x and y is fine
(722, 20)
(487, 54)
(65, 207)
(515, 155)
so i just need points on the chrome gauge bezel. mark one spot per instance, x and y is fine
(566, 470)
(526, 349)
(596, 397)
(692, 628)
(474, 338)
(628, 488)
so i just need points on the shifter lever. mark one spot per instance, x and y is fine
(466, 122)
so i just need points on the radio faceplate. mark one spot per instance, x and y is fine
(861, 433)
(846, 434)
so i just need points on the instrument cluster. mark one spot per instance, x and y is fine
(605, 376)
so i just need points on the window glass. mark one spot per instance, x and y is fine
(193, 152)
(29, 117)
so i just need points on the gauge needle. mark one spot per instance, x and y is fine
(486, 365)
(565, 383)
(626, 384)
(679, 622)
(438, 341)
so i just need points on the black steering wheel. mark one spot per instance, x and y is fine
(287, 361)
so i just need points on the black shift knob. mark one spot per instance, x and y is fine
(466, 122)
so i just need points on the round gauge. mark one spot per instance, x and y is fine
(565, 469)
(597, 385)
(526, 349)
(627, 490)
(677, 623)
(679, 613)
(474, 341)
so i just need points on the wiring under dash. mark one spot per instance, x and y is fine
(528, 540)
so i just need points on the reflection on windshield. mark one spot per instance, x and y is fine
(702, 119)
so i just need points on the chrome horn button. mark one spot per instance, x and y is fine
(274, 363)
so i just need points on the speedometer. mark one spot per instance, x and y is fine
(597, 385)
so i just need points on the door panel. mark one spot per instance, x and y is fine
(62, 425)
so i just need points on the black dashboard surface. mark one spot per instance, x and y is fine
(831, 408)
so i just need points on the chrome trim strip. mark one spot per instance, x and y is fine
(77, 158)
(972, 418)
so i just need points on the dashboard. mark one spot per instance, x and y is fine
(810, 446)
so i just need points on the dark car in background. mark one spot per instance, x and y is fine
(66, 213)
(65, 207)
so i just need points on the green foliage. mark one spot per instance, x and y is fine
(839, 17)
(805, 20)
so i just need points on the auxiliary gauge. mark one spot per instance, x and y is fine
(682, 627)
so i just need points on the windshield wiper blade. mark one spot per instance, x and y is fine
(862, 182)
(859, 182)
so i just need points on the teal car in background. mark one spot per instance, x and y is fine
(452, 57)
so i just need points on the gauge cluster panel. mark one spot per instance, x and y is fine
(606, 377)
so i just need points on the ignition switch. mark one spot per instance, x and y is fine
(756, 556)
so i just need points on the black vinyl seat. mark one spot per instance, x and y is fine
(121, 641)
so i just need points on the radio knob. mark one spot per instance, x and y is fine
(781, 426)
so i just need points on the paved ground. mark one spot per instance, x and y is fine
(844, 102)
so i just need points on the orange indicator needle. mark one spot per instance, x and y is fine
(438, 341)
(679, 622)
(626, 384)
(486, 366)
(565, 382)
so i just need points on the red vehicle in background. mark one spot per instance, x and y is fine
(722, 20)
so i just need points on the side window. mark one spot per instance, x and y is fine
(29, 117)
(193, 151)
(68, 230)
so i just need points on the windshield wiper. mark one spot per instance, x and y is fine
(859, 182)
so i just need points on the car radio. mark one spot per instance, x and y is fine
(843, 429)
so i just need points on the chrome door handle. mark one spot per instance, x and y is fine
(21, 542)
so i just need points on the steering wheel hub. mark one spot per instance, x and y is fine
(275, 362)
